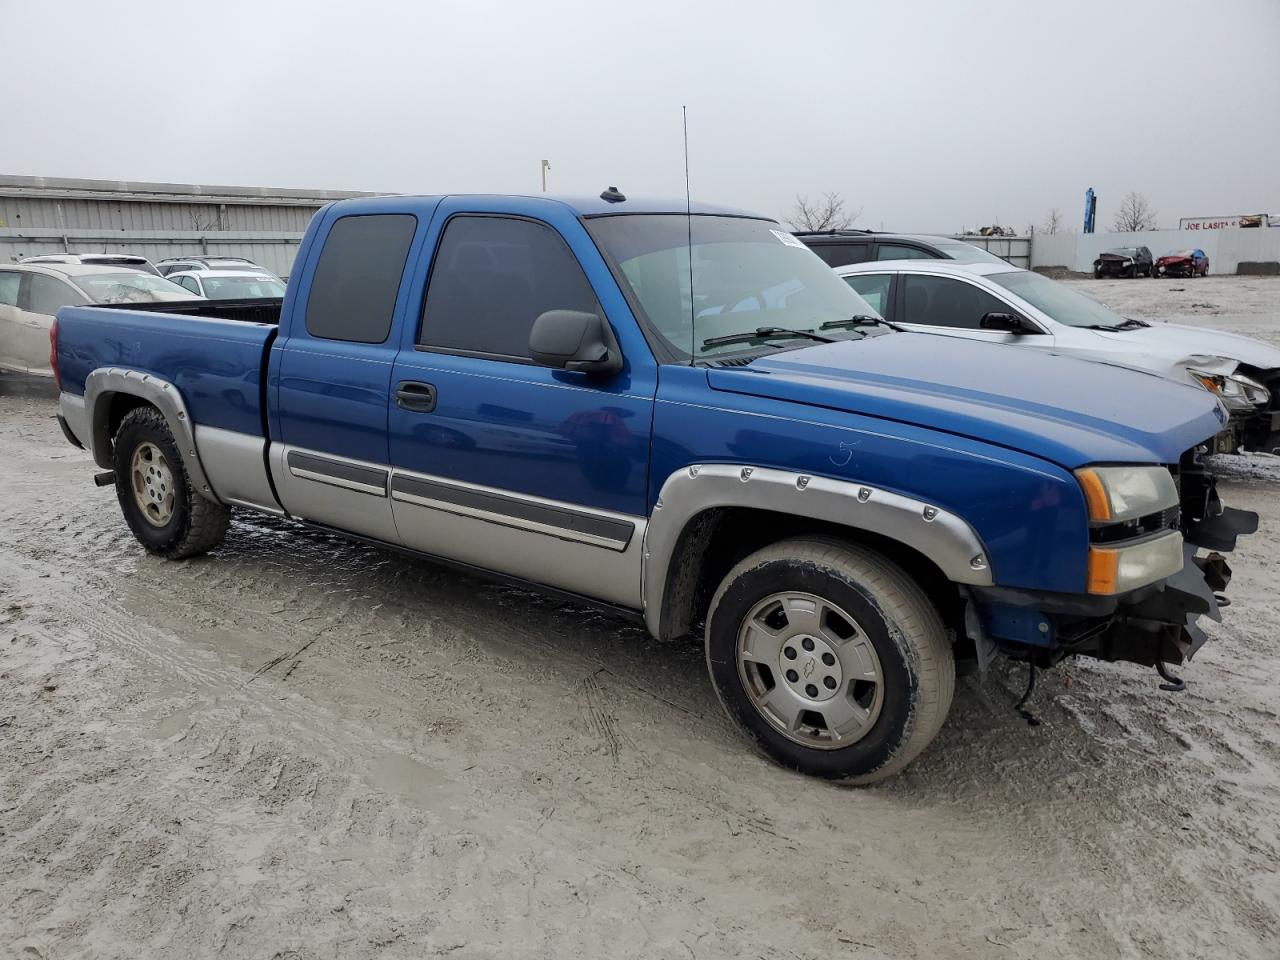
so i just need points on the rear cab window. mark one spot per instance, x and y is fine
(357, 278)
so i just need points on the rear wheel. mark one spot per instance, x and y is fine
(157, 499)
(830, 658)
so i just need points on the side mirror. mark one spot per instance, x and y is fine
(1008, 322)
(577, 341)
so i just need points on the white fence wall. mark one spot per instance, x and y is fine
(1226, 249)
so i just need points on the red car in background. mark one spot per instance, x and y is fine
(1182, 263)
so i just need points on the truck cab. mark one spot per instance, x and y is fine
(683, 416)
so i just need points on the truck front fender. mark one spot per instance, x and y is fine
(104, 383)
(945, 538)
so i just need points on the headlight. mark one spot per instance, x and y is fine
(1121, 569)
(1117, 494)
(1237, 391)
(1121, 496)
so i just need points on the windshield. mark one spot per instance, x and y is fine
(231, 288)
(130, 287)
(1059, 302)
(963, 252)
(747, 274)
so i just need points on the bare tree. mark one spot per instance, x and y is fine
(211, 221)
(1135, 214)
(828, 213)
(1053, 222)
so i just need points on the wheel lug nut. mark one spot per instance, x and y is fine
(811, 690)
(829, 660)
(829, 682)
(792, 676)
(807, 643)
(789, 653)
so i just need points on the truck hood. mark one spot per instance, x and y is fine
(1067, 411)
(1170, 339)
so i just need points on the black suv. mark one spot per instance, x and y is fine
(841, 247)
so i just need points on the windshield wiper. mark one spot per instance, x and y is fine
(860, 320)
(765, 333)
(1132, 325)
(1100, 326)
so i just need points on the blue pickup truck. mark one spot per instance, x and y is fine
(685, 417)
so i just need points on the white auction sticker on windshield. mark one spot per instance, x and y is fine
(787, 238)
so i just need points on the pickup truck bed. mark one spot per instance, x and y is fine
(214, 352)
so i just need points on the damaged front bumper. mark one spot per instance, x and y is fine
(1156, 624)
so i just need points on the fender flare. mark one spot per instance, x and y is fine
(105, 382)
(938, 534)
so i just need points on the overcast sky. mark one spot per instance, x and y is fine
(928, 115)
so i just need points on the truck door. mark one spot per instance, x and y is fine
(333, 374)
(503, 464)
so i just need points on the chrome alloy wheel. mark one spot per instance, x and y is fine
(152, 481)
(810, 670)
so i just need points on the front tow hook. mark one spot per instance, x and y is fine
(1172, 684)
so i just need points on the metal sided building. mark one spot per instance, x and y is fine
(41, 215)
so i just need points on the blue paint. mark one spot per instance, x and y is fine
(1062, 409)
(217, 364)
(1024, 625)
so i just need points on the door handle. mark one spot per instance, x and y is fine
(415, 396)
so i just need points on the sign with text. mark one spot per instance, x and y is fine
(1223, 223)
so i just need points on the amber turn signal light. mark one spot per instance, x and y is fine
(1095, 495)
(1104, 570)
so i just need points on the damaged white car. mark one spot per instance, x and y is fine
(1002, 303)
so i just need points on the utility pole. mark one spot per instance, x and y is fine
(546, 165)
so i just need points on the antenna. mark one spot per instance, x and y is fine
(688, 221)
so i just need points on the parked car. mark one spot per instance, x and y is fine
(1124, 262)
(229, 284)
(126, 260)
(200, 264)
(1183, 263)
(840, 247)
(1004, 304)
(32, 293)
(712, 432)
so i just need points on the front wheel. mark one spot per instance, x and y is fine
(830, 658)
(157, 499)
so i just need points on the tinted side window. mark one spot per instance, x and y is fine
(190, 284)
(874, 288)
(894, 251)
(353, 292)
(10, 281)
(47, 295)
(492, 277)
(943, 302)
(842, 254)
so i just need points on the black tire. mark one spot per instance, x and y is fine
(892, 612)
(194, 524)
(1130, 272)
(1097, 273)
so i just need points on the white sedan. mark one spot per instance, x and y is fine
(1002, 303)
(31, 294)
(229, 284)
